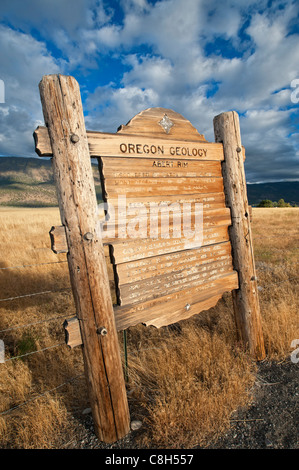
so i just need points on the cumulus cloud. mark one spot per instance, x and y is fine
(270, 154)
(110, 107)
(23, 62)
(199, 57)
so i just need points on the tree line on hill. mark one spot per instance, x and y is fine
(280, 203)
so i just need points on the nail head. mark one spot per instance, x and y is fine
(88, 236)
(74, 138)
(102, 331)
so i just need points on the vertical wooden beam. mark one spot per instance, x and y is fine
(62, 108)
(245, 299)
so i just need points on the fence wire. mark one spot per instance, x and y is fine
(35, 293)
(8, 411)
(32, 265)
(41, 395)
(33, 323)
(34, 352)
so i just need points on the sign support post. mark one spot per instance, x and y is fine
(245, 299)
(63, 113)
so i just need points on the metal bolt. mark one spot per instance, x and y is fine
(187, 307)
(74, 138)
(239, 149)
(253, 278)
(102, 331)
(88, 236)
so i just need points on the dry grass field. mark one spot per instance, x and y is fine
(184, 382)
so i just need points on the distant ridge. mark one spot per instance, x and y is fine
(28, 182)
(289, 191)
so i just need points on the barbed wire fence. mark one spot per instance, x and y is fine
(66, 317)
(11, 329)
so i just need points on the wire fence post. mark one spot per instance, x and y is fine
(245, 299)
(63, 113)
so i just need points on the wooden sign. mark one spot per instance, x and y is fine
(175, 237)
(152, 168)
(152, 274)
(149, 164)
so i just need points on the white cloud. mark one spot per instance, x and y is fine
(178, 74)
(49, 16)
(110, 107)
(149, 71)
(23, 63)
(172, 70)
(63, 23)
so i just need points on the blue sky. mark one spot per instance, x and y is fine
(198, 57)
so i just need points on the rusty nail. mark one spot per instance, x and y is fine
(88, 236)
(239, 149)
(74, 138)
(102, 331)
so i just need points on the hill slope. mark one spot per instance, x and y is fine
(289, 191)
(28, 182)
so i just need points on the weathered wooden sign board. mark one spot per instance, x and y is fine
(158, 281)
(157, 158)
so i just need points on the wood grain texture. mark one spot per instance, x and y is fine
(127, 206)
(246, 302)
(113, 167)
(212, 217)
(147, 123)
(147, 268)
(62, 108)
(42, 142)
(148, 164)
(102, 144)
(136, 187)
(73, 337)
(58, 239)
(175, 281)
(165, 224)
(172, 307)
(117, 145)
(130, 250)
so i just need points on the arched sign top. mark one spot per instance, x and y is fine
(161, 123)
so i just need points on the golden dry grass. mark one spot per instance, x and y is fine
(25, 241)
(184, 382)
(276, 246)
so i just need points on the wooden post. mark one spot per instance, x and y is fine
(62, 108)
(245, 299)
